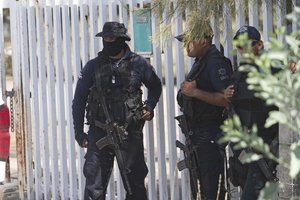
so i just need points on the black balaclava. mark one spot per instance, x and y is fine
(113, 48)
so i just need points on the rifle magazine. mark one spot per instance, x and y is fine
(181, 165)
(103, 142)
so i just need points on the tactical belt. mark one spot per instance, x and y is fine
(208, 121)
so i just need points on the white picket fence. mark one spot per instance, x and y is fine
(51, 41)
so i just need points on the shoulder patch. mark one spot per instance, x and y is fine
(222, 71)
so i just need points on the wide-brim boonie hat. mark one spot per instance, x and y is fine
(114, 29)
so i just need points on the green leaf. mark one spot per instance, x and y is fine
(276, 117)
(250, 157)
(278, 55)
(295, 160)
(268, 191)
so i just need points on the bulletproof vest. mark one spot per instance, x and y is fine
(197, 110)
(123, 100)
(250, 109)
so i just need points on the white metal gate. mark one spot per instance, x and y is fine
(51, 41)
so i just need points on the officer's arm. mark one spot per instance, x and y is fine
(153, 84)
(219, 74)
(214, 98)
(84, 82)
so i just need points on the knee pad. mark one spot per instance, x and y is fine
(95, 195)
(90, 168)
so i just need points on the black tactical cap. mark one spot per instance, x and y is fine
(251, 31)
(208, 34)
(114, 29)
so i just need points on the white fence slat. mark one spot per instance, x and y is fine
(2, 67)
(84, 33)
(120, 187)
(180, 74)
(227, 31)
(150, 155)
(93, 28)
(60, 103)
(215, 24)
(51, 99)
(34, 102)
(169, 74)
(253, 13)
(240, 16)
(43, 101)
(84, 58)
(17, 76)
(280, 15)
(111, 185)
(267, 19)
(112, 10)
(103, 18)
(26, 103)
(75, 43)
(68, 102)
(159, 113)
(123, 12)
(294, 24)
(15, 42)
(77, 68)
(131, 8)
(240, 19)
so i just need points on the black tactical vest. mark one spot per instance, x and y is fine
(123, 100)
(250, 109)
(197, 110)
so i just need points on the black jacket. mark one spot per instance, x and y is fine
(145, 74)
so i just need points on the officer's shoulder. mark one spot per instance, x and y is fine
(140, 62)
(138, 58)
(90, 65)
(219, 60)
(93, 61)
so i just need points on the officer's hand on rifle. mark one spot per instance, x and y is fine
(148, 113)
(228, 92)
(189, 88)
(81, 139)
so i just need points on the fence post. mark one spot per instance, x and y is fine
(169, 76)
(16, 56)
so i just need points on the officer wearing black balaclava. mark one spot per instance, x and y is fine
(121, 74)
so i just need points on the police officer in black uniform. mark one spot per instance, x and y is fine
(120, 74)
(252, 110)
(202, 101)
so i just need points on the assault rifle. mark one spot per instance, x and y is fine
(116, 135)
(190, 155)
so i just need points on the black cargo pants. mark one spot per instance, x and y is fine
(99, 164)
(210, 156)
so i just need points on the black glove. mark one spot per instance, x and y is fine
(80, 137)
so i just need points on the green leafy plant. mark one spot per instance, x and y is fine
(197, 15)
(282, 90)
